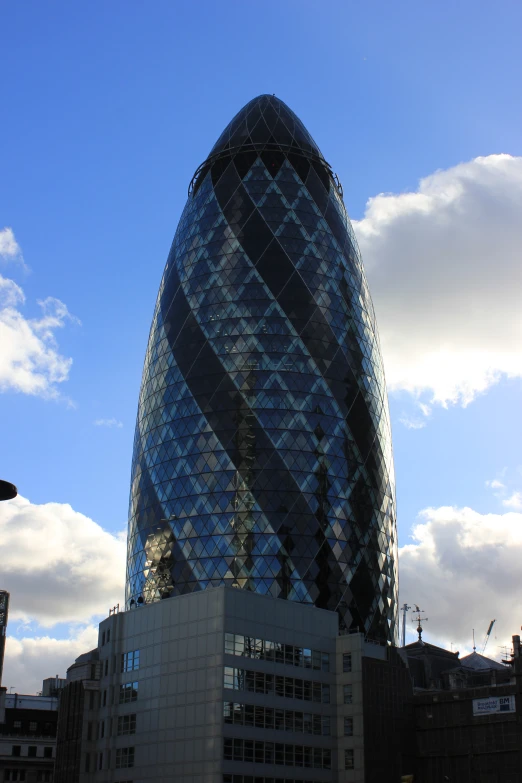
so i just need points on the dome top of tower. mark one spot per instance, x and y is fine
(266, 120)
(264, 125)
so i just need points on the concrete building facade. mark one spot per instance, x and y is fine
(226, 686)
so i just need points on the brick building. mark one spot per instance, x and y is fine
(467, 715)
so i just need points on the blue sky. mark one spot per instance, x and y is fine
(109, 107)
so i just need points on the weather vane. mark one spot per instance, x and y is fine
(419, 621)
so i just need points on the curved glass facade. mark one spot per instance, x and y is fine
(262, 454)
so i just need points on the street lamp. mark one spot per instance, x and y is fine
(8, 491)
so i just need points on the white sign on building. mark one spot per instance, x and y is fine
(493, 705)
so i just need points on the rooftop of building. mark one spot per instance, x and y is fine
(263, 120)
(479, 662)
(29, 701)
(421, 648)
(92, 655)
(265, 125)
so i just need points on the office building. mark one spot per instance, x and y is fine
(78, 720)
(262, 453)
(262, 500)
(229, 686)
(27, 737)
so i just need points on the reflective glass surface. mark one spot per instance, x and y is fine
(263, 650)
(284, 687)
(262, 454)
(257, 779)
(273, 718)
(276, 753)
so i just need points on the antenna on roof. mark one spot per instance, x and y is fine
(474, 647)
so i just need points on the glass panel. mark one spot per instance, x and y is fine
(229, 644)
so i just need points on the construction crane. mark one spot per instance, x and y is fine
(488, 633)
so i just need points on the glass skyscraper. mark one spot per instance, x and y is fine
(262, 454)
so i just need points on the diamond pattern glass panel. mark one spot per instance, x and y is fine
(262, 454)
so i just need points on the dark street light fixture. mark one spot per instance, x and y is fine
(8, 491)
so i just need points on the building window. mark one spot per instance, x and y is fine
(347, 694)
(347, 663)
(130, 661)
(276, 753)
(33, 725)
(285, 687)
(17, 724)
(100, 761)
(87, 762)
(16, 750)
(124, 758)
(128, 692)
(48, 753)
(280, 720)
(104, 698)
(289, 654)
(44, 776)
(349, 759)
(108, 636)
(126, 724)
(14, 774)
(348, 727)
(106, 667)
(249, 779)
(103, 639)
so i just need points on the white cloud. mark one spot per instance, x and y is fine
(514, 501)
(9, 248)
(28, 661)
(59, 565)
(11, 294)
(445, 271)
(463, 569)
(412, 423)
(495, 484)
(416, 422)
(30, 361)
(108, 423)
